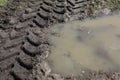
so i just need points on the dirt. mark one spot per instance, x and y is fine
(24, 45)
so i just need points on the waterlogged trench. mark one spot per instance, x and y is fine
(88, 45)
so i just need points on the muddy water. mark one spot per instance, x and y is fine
(90, 45)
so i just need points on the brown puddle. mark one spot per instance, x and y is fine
(88, 45)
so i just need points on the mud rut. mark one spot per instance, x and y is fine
(23, 40)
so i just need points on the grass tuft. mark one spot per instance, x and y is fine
(3, 2)
(113, 3)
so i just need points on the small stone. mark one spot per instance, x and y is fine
(28, 10)
(106, 11)
(45, 54)
(57, 77)
(83, 72)
(44, 47)
(45, 68)
(38, 32)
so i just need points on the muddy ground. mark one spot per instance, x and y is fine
(23, 42)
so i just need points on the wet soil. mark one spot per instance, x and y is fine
(82, 44)
(24, 45)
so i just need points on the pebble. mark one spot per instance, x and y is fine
(57, 77)
(45, 55)
(106, 11)
(28, 10)
(45, 68)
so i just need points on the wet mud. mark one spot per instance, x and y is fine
(24, 45)
(91, 45)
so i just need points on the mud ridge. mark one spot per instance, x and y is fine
(23, 42)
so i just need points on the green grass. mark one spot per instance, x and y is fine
(98, 5)
(113, 3)
(3, 2)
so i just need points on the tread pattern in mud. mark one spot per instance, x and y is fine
(20, 44)
(21, 40)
